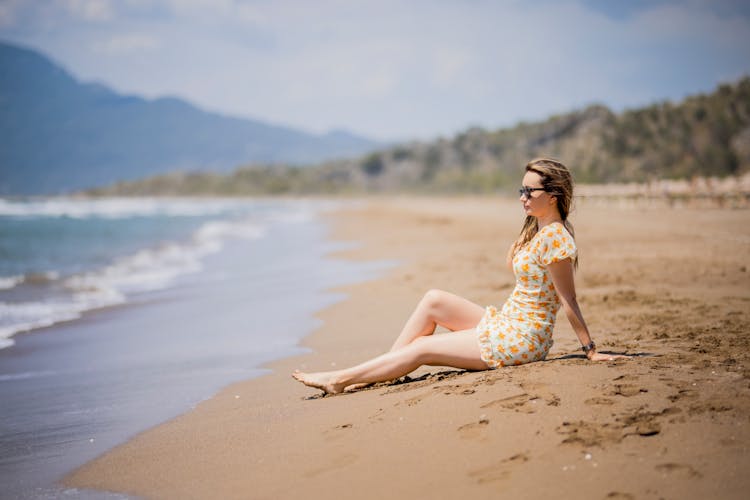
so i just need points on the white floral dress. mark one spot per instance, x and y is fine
(521, 331)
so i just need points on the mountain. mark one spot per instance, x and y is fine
(705, 135)
(59, 135)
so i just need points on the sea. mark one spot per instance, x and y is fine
(117, 314)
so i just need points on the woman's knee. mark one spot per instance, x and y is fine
(434, 298)
(421, 351)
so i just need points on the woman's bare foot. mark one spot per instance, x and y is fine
(322, 380)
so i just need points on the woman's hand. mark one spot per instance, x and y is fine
(598, 356)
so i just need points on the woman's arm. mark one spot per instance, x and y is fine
(561, 273)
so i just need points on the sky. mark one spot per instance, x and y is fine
(392, 70)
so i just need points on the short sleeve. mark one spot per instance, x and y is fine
(556, 244)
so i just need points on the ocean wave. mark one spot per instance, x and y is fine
(9, 377)
(119, 208)
(25, 316)
(149, 269)
(8, 282)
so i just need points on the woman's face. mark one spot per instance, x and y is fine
(538, 203)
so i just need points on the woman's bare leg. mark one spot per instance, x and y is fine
(459, 350)
(438, 307)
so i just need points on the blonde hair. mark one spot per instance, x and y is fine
(557, 181)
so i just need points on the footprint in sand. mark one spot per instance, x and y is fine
(617, 495)
(459, 389)
(500, 470)
(684, 470)
(474, 430)
(589, 434)
(378, 415)
(541, 391)
(333, 465)
(598, 400)
(645, 423)
(415, 399)
(623, 388)
(520, 403)
(532, 397)
(335, 433)
(683, 394)
(626, 390)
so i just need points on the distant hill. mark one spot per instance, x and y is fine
(702, 136)
(58, 135)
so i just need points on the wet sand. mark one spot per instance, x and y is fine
(668, 286)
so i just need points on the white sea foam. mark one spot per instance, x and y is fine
(156, 268)
(8, 282)
(117, 208)
(9, 377)
(24, 316)
(149, 269)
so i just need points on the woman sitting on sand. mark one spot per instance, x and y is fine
(542, 258)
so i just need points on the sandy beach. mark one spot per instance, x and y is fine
(668, 286)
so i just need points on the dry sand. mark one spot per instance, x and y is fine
(671, 287)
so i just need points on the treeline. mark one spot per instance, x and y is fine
(704, 135)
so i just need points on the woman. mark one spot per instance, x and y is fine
(543, 259)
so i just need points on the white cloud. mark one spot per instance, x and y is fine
(90, 10)
(389, 68)
(132, 42)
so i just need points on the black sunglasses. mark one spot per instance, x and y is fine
(526, 191)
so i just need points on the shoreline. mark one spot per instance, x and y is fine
(454, 433)
(75, 390)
